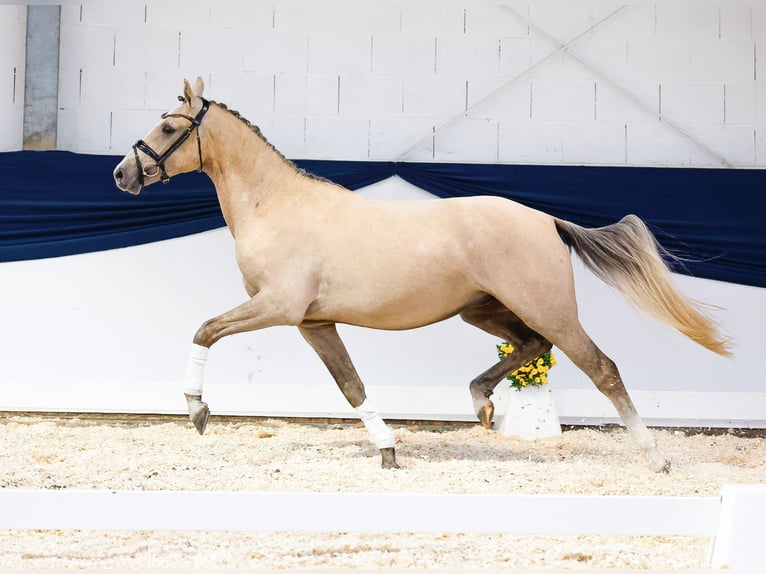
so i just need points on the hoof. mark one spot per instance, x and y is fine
(389, 458)
(657, 463)
(485, 415)
(660, 465)
(198, 412)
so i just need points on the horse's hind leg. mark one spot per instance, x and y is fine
(324, 339)
(604, 373)
(496, 319)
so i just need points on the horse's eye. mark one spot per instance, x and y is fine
(168, 129)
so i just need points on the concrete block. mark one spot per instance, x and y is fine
(275, 52)
(434, 97)
(604, 52)
(82, 45)
(740, 103)
(13, 27)
(495, 20)
(395, 138)
(469, 140)
(600, 143)
(494, 98)
(128, 126)
(626, 102)
(659, 60)
(403, 54)
(70, 13)
(110, 88)
(144, 46)
(760, 146)
(687, 20)
(760, 103)
(337, 137)
(657, 144)
(322, 94)
(287, 134)
(296, 94)
(179, 14)
(562, 19)
(290, 94)
(467, 56)
(565, 100)
(723, 61)
(162, 87)
(337, 17)
(422, 18)
(515, 57)
(530, 141)
(8, 90)
(84, 130)
(248, 17)
(195, 51)
(557, 66)
(340, 54)
(12, 136)
(371, 96)
(624, 22)
(11, 108)
(251, 93)
(758, 21)
(692, 102)
(111, 14)
(735, 21)
(736, 144)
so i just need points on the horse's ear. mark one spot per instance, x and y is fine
(192, 92)
(199, 87)
(188, 93)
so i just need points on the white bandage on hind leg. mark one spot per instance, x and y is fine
(381, 435)
(194, 370)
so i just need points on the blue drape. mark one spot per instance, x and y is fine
(60, 203)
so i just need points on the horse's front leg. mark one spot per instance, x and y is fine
(261, 311)
(324, 339)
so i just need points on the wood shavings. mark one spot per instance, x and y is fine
(278, 455)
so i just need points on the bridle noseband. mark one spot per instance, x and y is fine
(159, 160)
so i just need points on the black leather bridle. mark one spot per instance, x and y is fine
(159, 160)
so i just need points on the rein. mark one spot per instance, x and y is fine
(159, 160)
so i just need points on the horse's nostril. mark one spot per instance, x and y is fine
(118, 175)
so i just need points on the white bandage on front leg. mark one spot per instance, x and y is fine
(381, 435)
(195, 369)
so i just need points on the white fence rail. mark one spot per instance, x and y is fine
(734, 519)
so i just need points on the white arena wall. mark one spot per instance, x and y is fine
(677, 84)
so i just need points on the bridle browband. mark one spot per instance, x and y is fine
(159, 160)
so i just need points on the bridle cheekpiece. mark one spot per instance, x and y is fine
(159, 160)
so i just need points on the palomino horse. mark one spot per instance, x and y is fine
(313, 254)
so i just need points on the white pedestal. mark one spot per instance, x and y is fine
(530, 413)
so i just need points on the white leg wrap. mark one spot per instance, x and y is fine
(381, 435)
(194, 370)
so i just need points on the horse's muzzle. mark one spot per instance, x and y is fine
(126, 180)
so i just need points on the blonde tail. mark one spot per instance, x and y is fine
(626, 256)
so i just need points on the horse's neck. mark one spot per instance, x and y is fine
(246, 171)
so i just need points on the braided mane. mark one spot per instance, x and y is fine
(259, 133)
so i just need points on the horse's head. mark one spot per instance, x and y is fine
(167, 148)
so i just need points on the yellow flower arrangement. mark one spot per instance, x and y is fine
(533, 373)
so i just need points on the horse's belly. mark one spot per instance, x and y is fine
(393, 306)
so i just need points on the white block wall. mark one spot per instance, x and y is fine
(679, 83)
(13, 24)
